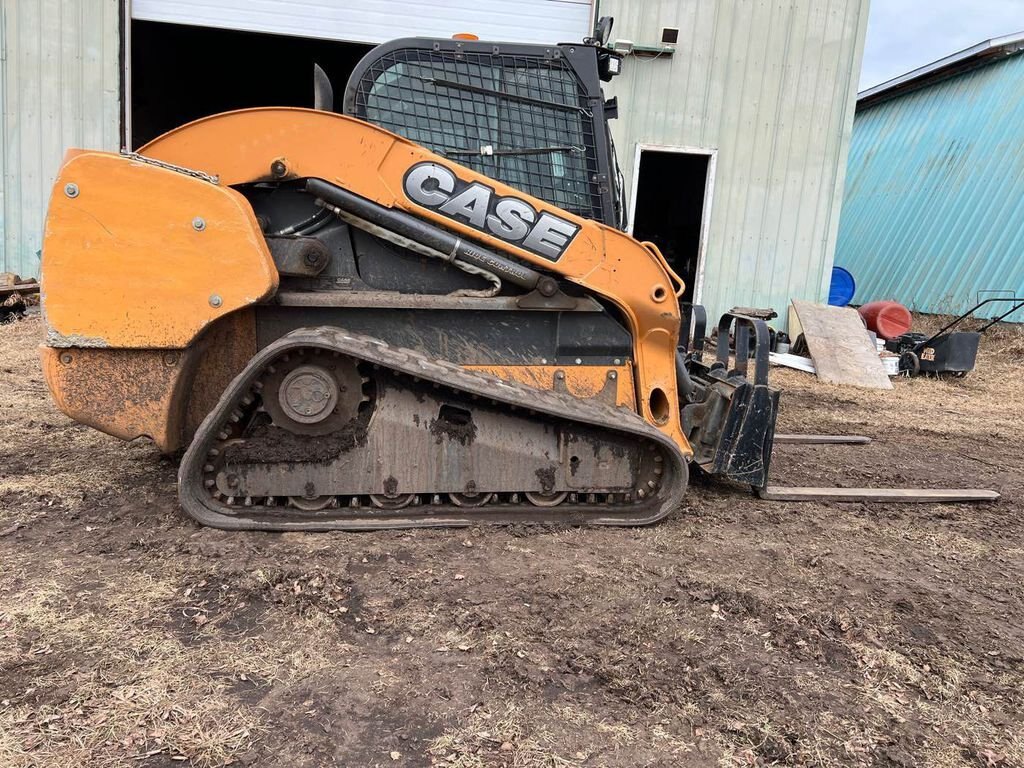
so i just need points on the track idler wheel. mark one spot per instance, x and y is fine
(474, 499)
(546, 499)
(315, 504)
(401, 501)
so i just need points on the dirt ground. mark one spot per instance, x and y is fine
(739, 632)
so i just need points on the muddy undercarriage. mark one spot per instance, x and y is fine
(328, 429)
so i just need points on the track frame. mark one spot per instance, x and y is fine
(199, 504)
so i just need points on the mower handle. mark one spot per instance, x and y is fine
(956, 321)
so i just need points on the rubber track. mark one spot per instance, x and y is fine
(202, 507)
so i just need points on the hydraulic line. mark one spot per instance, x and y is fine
(312, 224)
(686, 385)
(425, 234)
(412, 245)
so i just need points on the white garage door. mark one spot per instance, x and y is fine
(374, 21)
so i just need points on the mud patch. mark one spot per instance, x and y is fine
(453, 423)
(546, 475)
(267, 444)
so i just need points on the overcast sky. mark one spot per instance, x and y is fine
(907, 34)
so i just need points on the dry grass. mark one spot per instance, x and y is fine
(143, 665)
(505, 733)
(549, 737)
(988, 399)
(126, 688)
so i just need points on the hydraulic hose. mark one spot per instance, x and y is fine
(424, 233)
(415, 247)
(683, 380)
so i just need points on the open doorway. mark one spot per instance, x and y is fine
(180, 73)
(670, 204)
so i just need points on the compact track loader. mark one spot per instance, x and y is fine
(420, 312)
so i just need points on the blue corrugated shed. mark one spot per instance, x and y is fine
(933, 214)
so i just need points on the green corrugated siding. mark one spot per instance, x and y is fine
(59, 88)
(770, 85)
(934, 210)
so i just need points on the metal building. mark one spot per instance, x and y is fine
(934, 208)
(60, 87)
(764, 91)
(734, 120)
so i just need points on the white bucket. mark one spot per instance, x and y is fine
(891, 364)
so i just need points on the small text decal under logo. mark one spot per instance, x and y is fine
(509, 218)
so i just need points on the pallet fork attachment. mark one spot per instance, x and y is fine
(729, 415)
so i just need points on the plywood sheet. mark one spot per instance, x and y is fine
(840, 347)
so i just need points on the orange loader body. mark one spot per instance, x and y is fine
(143, 263)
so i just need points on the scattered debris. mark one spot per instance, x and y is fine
(887, 319)
(792, 361)
(765, 313)
(16, 296)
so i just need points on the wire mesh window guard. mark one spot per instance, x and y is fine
(522, 120)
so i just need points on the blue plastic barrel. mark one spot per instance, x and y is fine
(842, 288)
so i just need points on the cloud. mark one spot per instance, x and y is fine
(906, 34)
